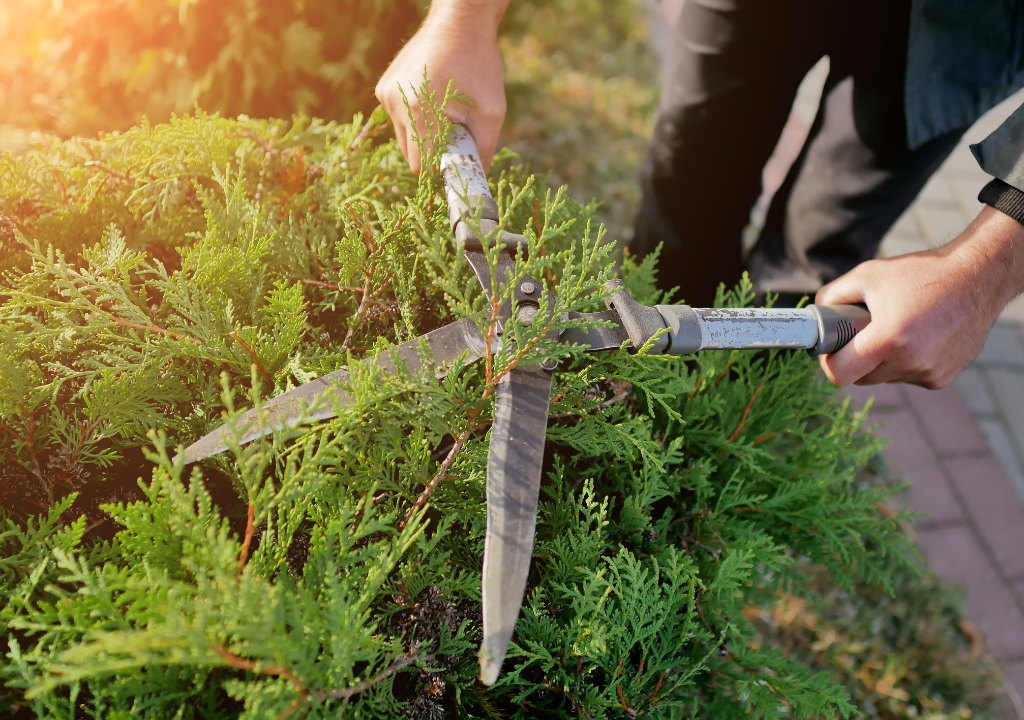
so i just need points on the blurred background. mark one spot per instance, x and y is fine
(582, 80)
(85, 67)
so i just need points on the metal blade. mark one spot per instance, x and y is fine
(446, 345)
(514, 463)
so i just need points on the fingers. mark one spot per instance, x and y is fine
(848, 289)
(861, 356)
(484, 124)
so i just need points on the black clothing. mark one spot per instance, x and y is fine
(731, 78)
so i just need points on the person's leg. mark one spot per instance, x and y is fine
(729, 84)
(856, 175)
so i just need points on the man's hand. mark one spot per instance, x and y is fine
(458, 41)
(931, 310)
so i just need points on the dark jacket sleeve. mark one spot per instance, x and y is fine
(1001, 154)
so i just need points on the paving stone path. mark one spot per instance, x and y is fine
(962, 448)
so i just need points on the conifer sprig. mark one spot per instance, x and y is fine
(166, 279)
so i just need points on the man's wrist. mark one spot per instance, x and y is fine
(1005, 198)
(995, 242)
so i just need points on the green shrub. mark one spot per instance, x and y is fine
(159, 279)
(79, 67)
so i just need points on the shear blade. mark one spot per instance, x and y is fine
(313, 401)
(514, 462)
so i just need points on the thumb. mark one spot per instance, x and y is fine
(848, 289)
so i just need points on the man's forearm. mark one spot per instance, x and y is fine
(479, 16)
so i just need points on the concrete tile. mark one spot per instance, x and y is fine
(995, 508)
(940, 224)
(955, 554)
(966, 189)
(1014, 312)
(961, 162)
(1008, 388)
(997, 435)
(906, 225)
(1013, 675)
(887, 397)
(937, 190)
(893, 245)
(946, 420)
(973, 389)
(1003, 346)
(913, 460)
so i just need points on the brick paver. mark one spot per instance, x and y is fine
(962, 448)
(955, 553)
(975, 536)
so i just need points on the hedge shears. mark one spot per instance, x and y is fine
(522, 395)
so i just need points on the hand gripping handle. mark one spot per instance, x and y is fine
(465, 184)
(837, 324)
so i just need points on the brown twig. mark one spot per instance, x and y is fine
(766, 436)
(723, 373)
(568, 696)
(743, 420)
(30, 442)
(399, 663)
(277, 670)
(696, 601)
(442, 472)
(100, 166)
(154, 329)
(250, 523)
(85, 433)
(622, 700)
(401, 220)
(365, 134)
(363, 304)
(696, 386)
(60, 183)
(259, 366)
(332, 286)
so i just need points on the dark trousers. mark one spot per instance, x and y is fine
(730, 81)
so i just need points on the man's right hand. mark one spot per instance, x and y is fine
(457, 42)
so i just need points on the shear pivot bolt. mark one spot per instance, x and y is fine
(528, 288)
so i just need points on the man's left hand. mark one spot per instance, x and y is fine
(931, 310)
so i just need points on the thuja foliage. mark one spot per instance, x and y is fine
(159, 281)
(79, 67)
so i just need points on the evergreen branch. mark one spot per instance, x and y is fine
(100, 166)
(250, 523)
(332, 286)
(442, 472)
(240, 663)
(404, 661)
(60, 184)
(568, 696)
(743, 420)
(155, 329)
(255, 358)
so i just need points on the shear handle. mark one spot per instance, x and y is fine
(465, 185)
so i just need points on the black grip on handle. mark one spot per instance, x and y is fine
(837, 324)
